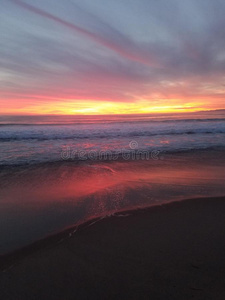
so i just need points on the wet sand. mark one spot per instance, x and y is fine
(172, 251)
(43, 199)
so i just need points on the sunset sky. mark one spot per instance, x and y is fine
(109, 57)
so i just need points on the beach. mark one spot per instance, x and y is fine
(112, 150)
(40, 200)
(169, 251)
(96, 209)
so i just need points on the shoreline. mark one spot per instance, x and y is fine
(39, 201)
(66, 233)
(169, 251)
(49, 241)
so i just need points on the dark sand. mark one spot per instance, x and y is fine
(174, 251)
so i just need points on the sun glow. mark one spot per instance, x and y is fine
(93, 107)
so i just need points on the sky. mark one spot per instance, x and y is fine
(111, 57)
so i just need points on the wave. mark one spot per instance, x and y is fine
(114, 156)
(39, 137)
(5, 124)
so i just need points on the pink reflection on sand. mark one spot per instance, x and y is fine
(71, 182)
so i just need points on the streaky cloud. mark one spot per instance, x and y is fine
(128, 54)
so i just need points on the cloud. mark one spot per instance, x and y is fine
(129, 53)
(126, 51)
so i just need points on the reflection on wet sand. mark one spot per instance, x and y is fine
(39, 200)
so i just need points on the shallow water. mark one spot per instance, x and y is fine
(39, 200)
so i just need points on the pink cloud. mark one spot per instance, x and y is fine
(130, 54)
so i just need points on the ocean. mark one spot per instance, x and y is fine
(60, 171)
(37, 139)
